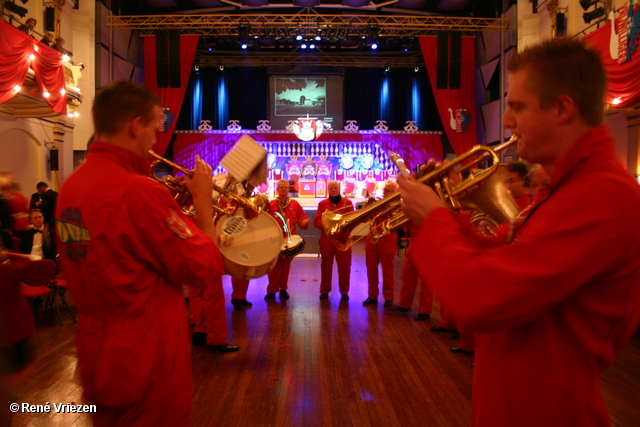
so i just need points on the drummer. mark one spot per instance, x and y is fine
(285, 207)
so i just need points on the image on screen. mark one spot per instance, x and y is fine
(296, 96)
(300, 96)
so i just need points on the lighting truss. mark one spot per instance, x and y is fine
(308, 24)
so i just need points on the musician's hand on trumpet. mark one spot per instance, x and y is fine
(200, 186)
(418, 200)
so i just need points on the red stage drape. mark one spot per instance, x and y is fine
(624, 78)
(457, 107)
(171, 97)
(15, 49)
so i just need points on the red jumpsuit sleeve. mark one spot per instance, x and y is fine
(317, 221)
(559, 250)
(157, 231)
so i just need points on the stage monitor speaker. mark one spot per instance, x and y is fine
(50, 19)
(560, 27)
(162, 72)
(455, 60)
(442, 70)
(53, 159)
(174, 58)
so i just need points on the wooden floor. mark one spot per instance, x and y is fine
(306, 362)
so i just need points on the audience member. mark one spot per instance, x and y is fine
(295, 217)
(44, 199)
(334, 203)
(16, 204)
(16, 326)
(59, 46)
(126, 250)
(554, 308)
(48, 40)
(381, 253)
(39, 241)
(28, 26)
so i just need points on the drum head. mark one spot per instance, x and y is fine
(249, 243)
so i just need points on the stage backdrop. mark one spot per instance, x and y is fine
(414, 148)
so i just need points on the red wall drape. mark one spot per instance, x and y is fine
(15, 49)
(624, 78)
(171, 97)
(456, 107)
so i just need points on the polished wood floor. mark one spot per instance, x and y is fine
(306, 362)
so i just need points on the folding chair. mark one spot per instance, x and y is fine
(59, 287)
(36, 284)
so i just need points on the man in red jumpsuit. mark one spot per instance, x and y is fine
(126, 250)
(381, 252)
(410, 279)
(295, 217)
(552, 310)
(335, 202)
(518, 183)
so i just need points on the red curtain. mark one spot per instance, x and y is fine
(171, 97)
(50, 77)
(624, 76)
(456, 107)
(15, 49)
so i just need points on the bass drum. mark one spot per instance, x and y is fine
(249, 248)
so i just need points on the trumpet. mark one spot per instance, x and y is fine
(253, 206)
(483, 190)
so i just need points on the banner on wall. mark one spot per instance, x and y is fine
(618, 42)
(171, 97)
(456, 102)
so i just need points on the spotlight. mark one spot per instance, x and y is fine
(312, 46)
(590, 16)
(303, 46)
(221, 67)
(386, 69)
(416, 68)
(374, 45)
(243, 32)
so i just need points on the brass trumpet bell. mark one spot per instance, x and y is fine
(253, 206)
(483, 190)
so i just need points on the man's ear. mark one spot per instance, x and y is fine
(134, 126)
(566, 108)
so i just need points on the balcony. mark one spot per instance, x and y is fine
(37, 81)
